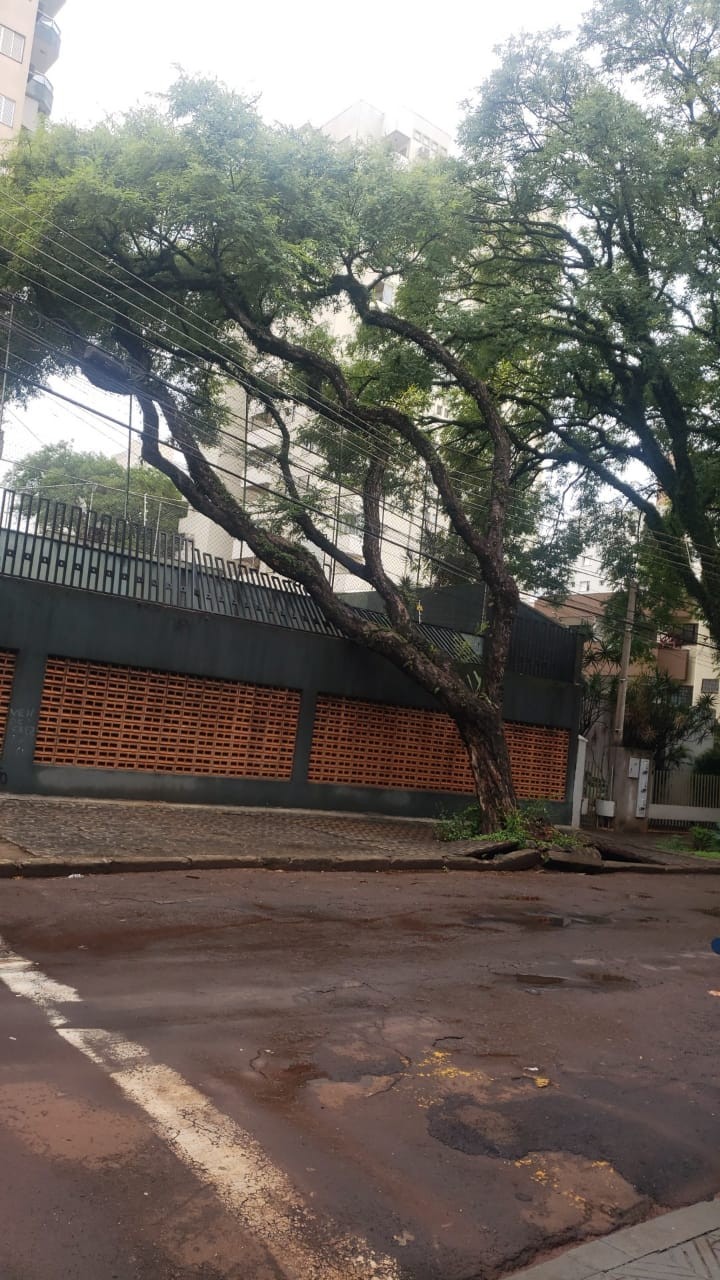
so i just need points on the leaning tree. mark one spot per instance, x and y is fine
(189, 250)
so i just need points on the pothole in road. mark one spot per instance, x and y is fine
(286, 1076)
(534, 920)
(587, 981)
(652, 1146)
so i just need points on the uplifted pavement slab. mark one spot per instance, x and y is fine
(677, 1246)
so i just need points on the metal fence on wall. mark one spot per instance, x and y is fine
(48, 541)
(44, 540)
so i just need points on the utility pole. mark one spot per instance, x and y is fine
(6, 301)
(619, 720)
(129, 457)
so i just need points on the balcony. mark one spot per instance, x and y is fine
(41, 91)
(51, 7)
(46, 44)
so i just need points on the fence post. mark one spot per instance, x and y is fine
(303, 741)
(579, 781)
(16, 754)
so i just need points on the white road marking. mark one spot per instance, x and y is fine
(214, 1147)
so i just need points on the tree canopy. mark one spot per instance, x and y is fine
(94, 482)
(657, 721)
(594, 171)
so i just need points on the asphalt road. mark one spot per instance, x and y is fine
(257, 1075)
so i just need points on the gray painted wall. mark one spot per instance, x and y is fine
(39, 621)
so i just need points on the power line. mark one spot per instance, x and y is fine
(670, 550)
(675, 558)
(272, 389)
(405, 517)
(439, 562)
(415, 551)
(221, 346)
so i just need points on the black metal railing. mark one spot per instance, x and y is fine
(44, 540)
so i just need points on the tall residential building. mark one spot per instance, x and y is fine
(29, 45)
(406, 133)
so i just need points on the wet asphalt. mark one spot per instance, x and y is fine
(467, 1072)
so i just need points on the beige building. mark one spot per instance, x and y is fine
(405, 132)
(685, 652)
(29, 45)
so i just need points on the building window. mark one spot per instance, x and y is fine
(12, 44)
(7, 111)
(683, 633)
(710, 686)
(682, 695)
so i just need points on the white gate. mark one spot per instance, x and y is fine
(681, 797)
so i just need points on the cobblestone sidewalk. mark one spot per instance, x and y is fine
(37, 827)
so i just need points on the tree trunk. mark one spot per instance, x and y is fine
(484, 741)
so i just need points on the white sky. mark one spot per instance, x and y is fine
(306, 61)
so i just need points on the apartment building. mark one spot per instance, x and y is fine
(406, 133)
(685, 651)
(29, 45)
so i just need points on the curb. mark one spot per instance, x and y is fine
(641, 1246)
(39, 867)
(35, 868)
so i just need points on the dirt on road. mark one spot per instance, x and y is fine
(255, 1075)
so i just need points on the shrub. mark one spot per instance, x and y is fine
(708, 761)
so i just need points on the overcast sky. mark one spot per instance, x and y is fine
(306, 61)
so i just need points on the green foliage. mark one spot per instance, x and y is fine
(656, 721)
(596, 189)
(704, 838)
(464, 824)
(708, 761)
(210, 209)
(527, 824)
(94, 482)
(704, 842)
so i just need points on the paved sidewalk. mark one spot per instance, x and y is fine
(44, 836)
(677, 1246)
(41, 835)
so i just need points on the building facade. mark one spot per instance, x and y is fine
(406, 133)
(132, 667)
(29, 45)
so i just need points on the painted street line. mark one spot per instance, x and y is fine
(217, 1150)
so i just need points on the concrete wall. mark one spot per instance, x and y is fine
(38, 621)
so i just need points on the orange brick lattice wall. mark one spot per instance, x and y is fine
(367, 744)
(106, 717)
(7, 672)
